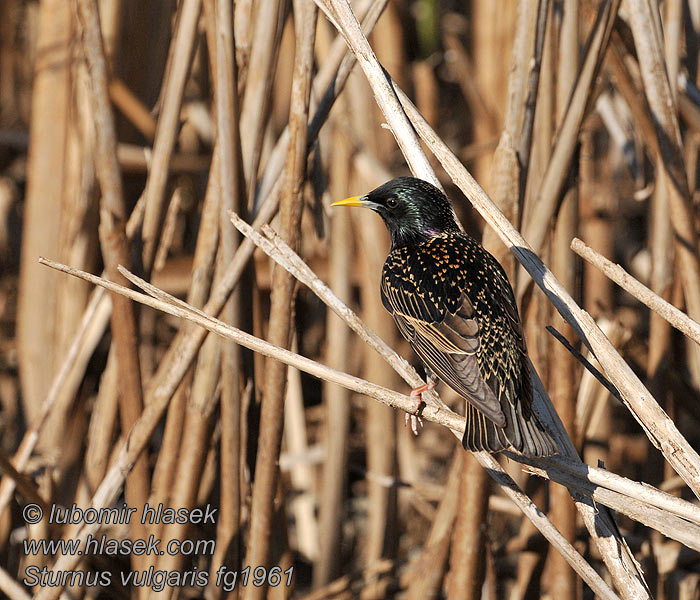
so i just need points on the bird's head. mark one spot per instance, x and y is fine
(413, 210)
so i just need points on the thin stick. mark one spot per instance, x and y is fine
(327, 567)
(11, 587)
(115, 251)
(233, 193)
(166, 130)
(260, 75)
(563, 150)
(530, 100)
(674, 316)
(563, 378)
(340, 13)
(585, 362)
(132, 108)
(281, 299)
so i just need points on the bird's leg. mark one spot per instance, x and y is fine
(416, 395)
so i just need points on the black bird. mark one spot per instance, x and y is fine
(452, 301)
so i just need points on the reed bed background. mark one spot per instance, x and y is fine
(137, 142)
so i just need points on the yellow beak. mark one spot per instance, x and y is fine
(353, 201)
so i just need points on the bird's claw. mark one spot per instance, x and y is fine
(416, 395)
(415, 421)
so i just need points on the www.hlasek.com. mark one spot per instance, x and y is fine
(153, 577)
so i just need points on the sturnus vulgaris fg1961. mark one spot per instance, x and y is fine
(452, 301)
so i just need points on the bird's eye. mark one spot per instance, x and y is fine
(392, 202)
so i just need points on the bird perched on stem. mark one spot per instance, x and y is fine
(452, 301)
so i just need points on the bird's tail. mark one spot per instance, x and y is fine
(523, 433)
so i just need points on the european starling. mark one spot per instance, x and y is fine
(452, 301)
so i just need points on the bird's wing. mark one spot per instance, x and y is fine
(447, 346)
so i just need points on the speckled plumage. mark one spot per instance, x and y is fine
(452, 301)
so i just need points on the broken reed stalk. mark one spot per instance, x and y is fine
(617, 556)
(681, 321)
(115, 251)
(140, 433)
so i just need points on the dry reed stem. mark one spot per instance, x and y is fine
(428, 569)
(563, 378)
(616, 273)
(660, 97)
(468, 547)
(46, 186)
(341, 15)
(281, 299)
(166, 131)
(505, 180)
(622, 80)
(380, 421)
(634, 506)
(303, 504)
(11, 587)
(530, 99)
(255, 108)
(138, 159)
(132, 108)
(25, 485)
(333, 478)
(537, 225)
(614, 550)
(115, 251)
(102, 426)
(139, 434)
(233, 193)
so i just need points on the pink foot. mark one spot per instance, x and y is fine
(416, 395)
